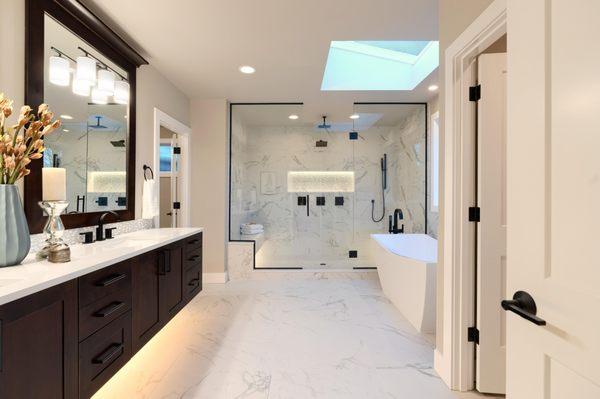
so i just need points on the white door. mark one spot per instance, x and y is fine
(175, 154)
(491, 230)
(553, 198)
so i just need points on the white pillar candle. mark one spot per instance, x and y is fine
(54, 184)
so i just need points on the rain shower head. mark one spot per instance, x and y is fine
(98, 125)
(324, 125)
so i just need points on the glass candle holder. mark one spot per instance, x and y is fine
(54, 230)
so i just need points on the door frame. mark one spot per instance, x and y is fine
(184, 136)
(454, 356)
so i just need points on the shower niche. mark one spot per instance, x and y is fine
(316, 203)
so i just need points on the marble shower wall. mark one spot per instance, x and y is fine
(261, 158)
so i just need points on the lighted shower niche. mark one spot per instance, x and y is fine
(315, 202)
(320, 182)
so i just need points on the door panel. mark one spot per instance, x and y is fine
(39, 344)
(553, 197)
(172, 283)
(146, 298)
(491, 231)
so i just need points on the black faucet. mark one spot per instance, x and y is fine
(100, 227)
(398, 215)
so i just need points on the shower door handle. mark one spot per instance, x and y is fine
(307, 205)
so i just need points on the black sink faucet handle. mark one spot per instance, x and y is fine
(108, 233)
(88, 237)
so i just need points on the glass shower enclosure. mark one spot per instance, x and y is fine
(309, 191)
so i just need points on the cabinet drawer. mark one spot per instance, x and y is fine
(193, 258)
(101, 312)
(192, 282)
(103, 354)
(193, 242)
(104, 282)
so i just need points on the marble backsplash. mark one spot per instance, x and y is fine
(72, 236)
(262, 158)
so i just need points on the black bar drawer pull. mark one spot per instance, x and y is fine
(113, 278)
(109, 353)
(193, 258)
(194, 282)
(194, 241)
(523, 305)
(110, 309)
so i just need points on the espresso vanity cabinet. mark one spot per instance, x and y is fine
(69, 340)
(38, 345)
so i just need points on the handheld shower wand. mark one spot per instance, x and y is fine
(383, 163)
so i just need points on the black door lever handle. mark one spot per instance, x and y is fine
(523, 305)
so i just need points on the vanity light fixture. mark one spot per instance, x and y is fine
(58, 71)
(247, 69)
(106, 81)
(354, 116)
(99, 96)
(69, 117)
(121, 95)
(432, 88)
(293, 117)
(86, 71)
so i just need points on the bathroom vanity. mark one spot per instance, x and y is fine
(65, 329)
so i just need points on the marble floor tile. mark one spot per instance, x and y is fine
(291, 338)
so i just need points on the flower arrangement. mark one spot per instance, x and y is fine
(23, 142)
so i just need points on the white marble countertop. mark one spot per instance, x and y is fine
(33, 276)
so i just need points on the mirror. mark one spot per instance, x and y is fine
(93, 139)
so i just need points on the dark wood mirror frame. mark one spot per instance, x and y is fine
(83, 23)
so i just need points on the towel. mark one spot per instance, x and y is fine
(150, 208)
(251, 228)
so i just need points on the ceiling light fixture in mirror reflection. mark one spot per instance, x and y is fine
(91, 95)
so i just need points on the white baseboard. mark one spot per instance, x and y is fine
(214, 278)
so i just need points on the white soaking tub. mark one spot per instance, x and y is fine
(406, 266)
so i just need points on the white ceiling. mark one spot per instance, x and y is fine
(199, 44)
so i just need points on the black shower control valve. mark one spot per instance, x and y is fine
(301, 201)
(320, 201)
(339, 201)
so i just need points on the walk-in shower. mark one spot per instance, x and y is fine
(309, 196)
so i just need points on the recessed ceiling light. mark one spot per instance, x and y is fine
(354, 116)
(66, 130)
(66, 117)
(293, 117)
(247, 69)
(433, 88)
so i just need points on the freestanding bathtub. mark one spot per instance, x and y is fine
(406, 266)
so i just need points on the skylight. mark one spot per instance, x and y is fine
(379, 65)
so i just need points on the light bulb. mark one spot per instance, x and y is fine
(121, 95)
(86, 70)
(106, 81)
(58, 71)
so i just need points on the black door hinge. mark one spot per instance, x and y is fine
(473, 335)
(176, 205)
(176, 150)
(474, 214)
(475, 93)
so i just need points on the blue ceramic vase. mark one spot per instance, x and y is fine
(14, 233)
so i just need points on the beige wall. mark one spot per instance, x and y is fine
(153, 89)
(454, 17)
(210, 179)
